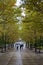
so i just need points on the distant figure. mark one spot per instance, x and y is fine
(21, 46)
(17, 47)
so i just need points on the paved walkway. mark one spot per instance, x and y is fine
(23, 57)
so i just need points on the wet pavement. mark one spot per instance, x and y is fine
(23, 57)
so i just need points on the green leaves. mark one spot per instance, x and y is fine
(35, 5)
(7, 20)
(32, 22)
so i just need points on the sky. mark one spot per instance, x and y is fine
(18, 3)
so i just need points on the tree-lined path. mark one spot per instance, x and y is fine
(21, 20)
(24, 57)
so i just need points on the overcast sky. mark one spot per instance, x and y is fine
(19, 2)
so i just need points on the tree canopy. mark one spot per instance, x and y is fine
(14, 25)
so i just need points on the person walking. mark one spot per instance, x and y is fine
(17, 47)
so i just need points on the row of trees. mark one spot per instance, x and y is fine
(8, 20)
(33, 23)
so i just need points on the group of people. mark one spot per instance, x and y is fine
(21, 47)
